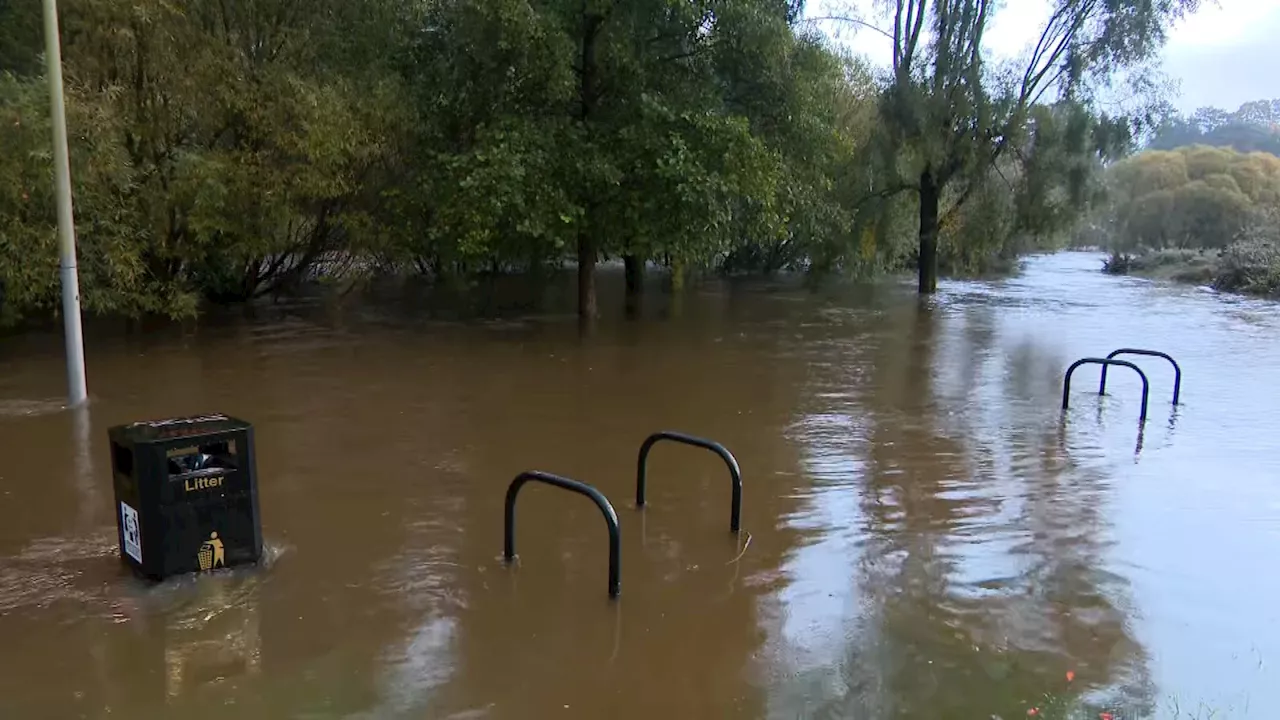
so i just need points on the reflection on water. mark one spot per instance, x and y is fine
(926, 534)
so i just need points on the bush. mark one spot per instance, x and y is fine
(1118, 264)
(1182, 264)
(1252, 263)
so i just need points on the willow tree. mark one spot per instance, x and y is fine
(1193, 197)
(948, 118)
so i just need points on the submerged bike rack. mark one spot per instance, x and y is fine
(1105, 362)
(610, 519)
(606, 509)
(735, 473)
(1177, 371)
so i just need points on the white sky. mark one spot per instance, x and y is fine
(1226, 54)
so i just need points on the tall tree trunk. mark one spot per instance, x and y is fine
(634, 270)
(677, 287)
(929, 200)
(587, 96)
(586, 275)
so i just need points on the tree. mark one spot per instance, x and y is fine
(1193, 197)
(665, 166)
(250, 150)
(109, 230)
(487, 181)
(221, 150)
(948, 119)
(227, 151)
(1254, 127)
(642, 130)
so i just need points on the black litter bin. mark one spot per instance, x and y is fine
(186, 494)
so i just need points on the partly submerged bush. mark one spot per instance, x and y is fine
(1250, 267)
(1174, 262)
(1118, 264)
(1252, 263)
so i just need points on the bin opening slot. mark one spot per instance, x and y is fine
(209, 459)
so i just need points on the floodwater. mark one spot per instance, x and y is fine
(925, 533)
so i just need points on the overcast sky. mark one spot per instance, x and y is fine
(1225, 55)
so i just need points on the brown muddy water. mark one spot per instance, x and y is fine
(925, 534)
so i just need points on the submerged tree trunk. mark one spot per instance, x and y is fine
(929, 200)
(634, 270)
(586, 275)
(587, 97)
(676, 307)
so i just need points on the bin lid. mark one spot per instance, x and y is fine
(158, 430)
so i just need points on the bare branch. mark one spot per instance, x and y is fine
(1002, 176)
(1062, 69)
(942, 43)
(974, 51)
(1031, 82)
(890, 191)
(1042, 42)
(698, 49)
(1034, 75)
(897, 37)
(946, 218)
(914, 38)
(853, 21)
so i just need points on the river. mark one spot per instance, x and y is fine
(925, 533)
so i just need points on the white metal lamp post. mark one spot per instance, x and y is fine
(77, 390)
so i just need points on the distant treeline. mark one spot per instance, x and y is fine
(222, 151)
(1199, 212)
(1255, 127)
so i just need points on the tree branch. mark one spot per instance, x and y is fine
(964, 197)
(698, 48)
(974, 51)
(853, 21)
(1052, 81)
(681, 56)
(914, 38)
(890, 191)
(1040, 43)
(1035, 74)
(897, 37)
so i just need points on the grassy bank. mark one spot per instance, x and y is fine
(1251, 268)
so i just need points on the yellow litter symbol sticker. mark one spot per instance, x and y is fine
(211, 554)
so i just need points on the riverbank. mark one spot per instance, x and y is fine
(1245, 268)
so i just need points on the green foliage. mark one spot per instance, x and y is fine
(1166, 209)
(949, 121)
(1193, 197)
(705, 132)
(109, 264)
(1254, 127)
(225, 151)
(1252, 263)
(21, 37)
(28, 246)
(484, 185)
(215, 153)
